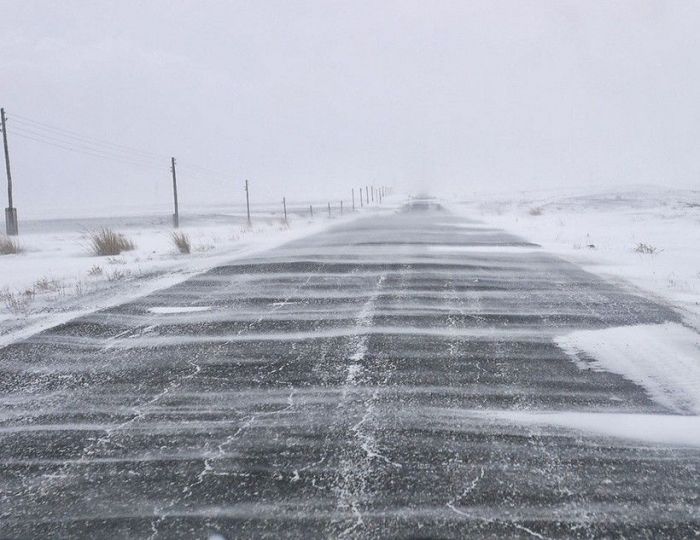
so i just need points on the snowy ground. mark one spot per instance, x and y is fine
(602, 232)
(56, 277)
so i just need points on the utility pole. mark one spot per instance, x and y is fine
(10, 212)
(247, 202)
(353, 199)
(176, 215)
(284, 204)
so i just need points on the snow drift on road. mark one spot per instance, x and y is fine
(664, 359)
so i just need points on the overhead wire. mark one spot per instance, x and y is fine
(79, 137)
(83, 151)
(73, 141)
(81, 147)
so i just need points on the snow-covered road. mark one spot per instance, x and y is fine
(412, 374)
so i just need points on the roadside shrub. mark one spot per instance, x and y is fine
(182, 242)
(536, 211)
(646, 249)
(106, 242)
(8, 246)
(118, 275)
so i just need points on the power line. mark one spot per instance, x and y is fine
(76, 142)
(75, 135)
(81, 145)
(85, 151)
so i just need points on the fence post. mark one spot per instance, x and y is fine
(353, 199)
(176, 215)
(311, 210)
(247, 202)
(284, 204)
(341, 208)
(329, 209)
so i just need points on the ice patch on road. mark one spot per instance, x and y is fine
(664, 359)
(164, 310)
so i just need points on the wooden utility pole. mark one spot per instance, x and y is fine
(353, 199)
(284, 204)
(176, 215)
(10, 212)
(247, 202)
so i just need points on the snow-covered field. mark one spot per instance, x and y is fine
(55, 277)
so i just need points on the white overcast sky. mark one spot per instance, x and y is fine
(309, 98)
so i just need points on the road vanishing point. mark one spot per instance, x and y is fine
(375, 380)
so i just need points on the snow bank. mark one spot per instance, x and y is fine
(664, 359)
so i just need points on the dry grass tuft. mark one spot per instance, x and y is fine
(16, 302)
(106, 242)
(8, 246)
(182, 242)
(45, 284)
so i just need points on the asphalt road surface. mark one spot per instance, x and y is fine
(356, 383)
